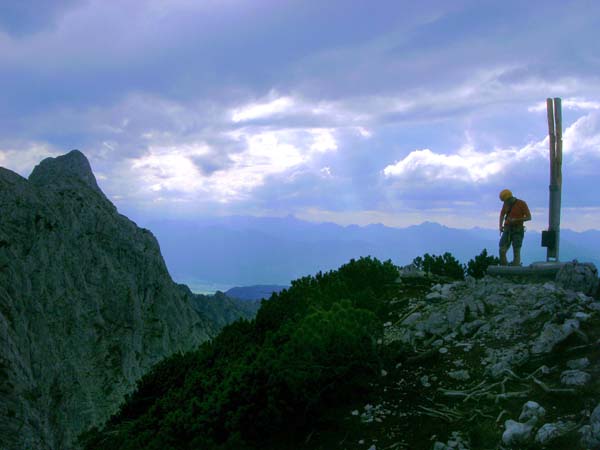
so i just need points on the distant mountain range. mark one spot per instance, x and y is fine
(257, 292)
(240, 251)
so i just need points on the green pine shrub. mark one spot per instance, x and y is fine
(477, 266)
(444, 265)
(265, 380)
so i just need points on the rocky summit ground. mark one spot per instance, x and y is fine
(485, 364)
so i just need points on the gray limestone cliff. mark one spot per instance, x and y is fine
(87, 305)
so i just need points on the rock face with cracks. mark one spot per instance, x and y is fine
(87, 305)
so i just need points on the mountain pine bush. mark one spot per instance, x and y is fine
(444, 265)
(269, 379)
(477, 267)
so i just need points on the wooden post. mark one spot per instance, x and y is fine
(558, 154)
(552, 237)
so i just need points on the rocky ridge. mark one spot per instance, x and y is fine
(493, 364)
(87, 305)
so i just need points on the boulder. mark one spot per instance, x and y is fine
(550, 431)
(575, 378)
(461, 375)
(581, 277)
(456, 442)
(553, 334)
(590, 434)
(456, 314)
(516, 433)
(581, 363)
(532, 412)
(411, 271)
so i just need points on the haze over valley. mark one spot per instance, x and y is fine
(219, 253)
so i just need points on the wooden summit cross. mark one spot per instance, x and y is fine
(551, 237)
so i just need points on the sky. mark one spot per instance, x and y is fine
(353, 112)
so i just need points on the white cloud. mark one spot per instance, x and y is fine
(262, 110)
(264, 153)
(581, 218)
(583, 137)
(364, 132)
(469, 165)
(270, 153)
(574, 103)
(339, 114)
(482, 88)
(170, 169)
(323, 140)
(23, 157)
(325, 172)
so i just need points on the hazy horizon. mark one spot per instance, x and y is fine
(316, 221)
(210, 254)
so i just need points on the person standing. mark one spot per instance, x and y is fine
(513, 215)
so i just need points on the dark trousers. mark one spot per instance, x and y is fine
(512, 235)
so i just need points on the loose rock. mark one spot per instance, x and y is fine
(581, 363)
(575, 378)
(532, 412)
(516, 432)
(550, 431)
(553, 334)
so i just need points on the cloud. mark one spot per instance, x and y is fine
(22, 157)
(468, 165)
(575, 104)
(151, 148)
(269, 153)
(170, 169)
(294, 110)
(262, 110)
(364, 132)
(326, 172)
(283, 106)
(580, 218)
(323, 140)
(583, 137)
(176, 171)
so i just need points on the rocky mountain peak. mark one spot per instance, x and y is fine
(87, 305)
(64, 171)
